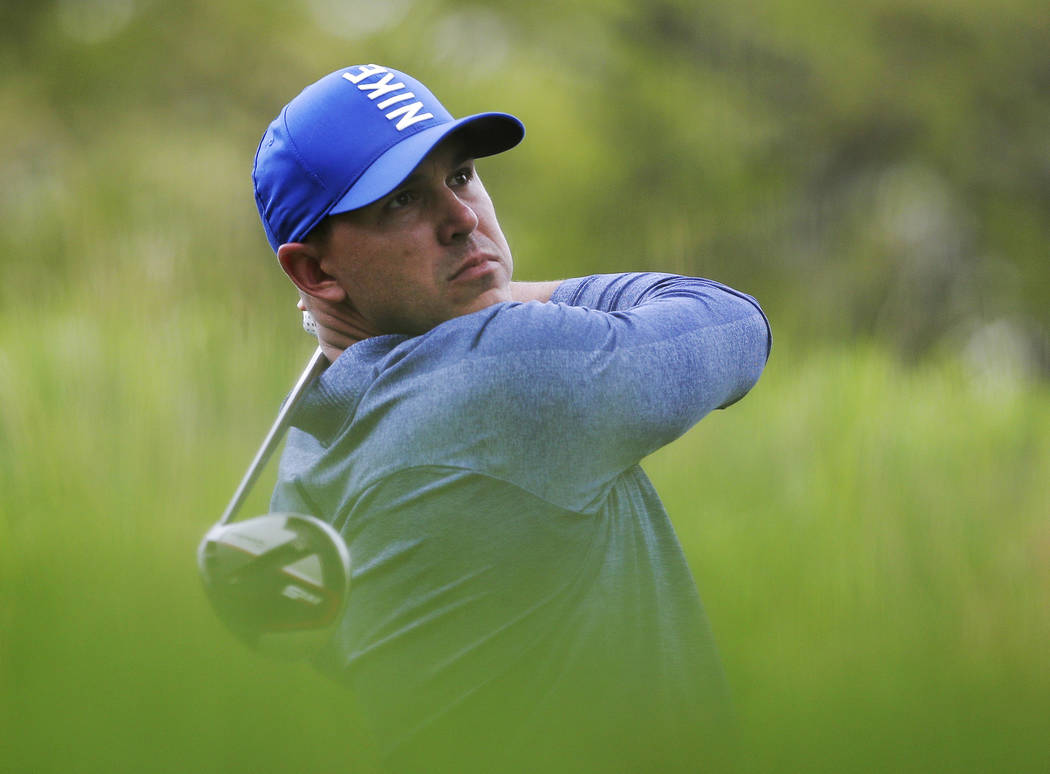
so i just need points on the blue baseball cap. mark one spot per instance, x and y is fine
(350, 139)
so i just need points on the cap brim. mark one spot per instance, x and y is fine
(485, 134)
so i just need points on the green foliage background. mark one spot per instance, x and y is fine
(869, 528)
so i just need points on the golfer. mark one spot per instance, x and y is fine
(520, 600)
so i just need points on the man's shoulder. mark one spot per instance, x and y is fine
(504, 328)
(484, 347)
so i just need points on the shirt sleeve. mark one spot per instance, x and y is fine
(615, 367)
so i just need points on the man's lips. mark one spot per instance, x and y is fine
(473, 267)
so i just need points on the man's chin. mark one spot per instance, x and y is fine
(484, 300)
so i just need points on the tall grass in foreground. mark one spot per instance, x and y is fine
(871, 542)
(873, 545)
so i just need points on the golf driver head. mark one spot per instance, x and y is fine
(280, 582)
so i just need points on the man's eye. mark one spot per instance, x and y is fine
(401, 199)
(462, 176)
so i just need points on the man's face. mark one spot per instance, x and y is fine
(429, 251)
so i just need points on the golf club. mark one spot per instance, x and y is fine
(278, 581)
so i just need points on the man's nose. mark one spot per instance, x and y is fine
(458, 218)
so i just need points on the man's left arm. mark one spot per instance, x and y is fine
(613, 368)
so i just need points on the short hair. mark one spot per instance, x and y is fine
(318, 235)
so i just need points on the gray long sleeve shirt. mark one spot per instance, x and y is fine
(519, 597)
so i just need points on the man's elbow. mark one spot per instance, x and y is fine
(755, 345)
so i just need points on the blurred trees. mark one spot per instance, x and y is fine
(880, 169)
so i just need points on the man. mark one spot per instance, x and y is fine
(519, 600)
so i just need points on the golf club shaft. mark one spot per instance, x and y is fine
(317, 364)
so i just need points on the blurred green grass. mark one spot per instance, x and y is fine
(871, 542)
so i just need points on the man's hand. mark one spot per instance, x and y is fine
(338, 325)
(532, 291)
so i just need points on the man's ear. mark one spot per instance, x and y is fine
(301, 261)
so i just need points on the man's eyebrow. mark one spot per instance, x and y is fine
(415, 177)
